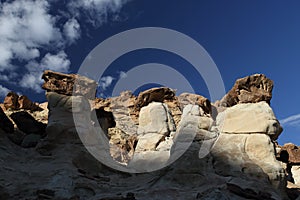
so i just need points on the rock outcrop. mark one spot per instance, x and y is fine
(69, 84)
(15, 102)
(171, 147)
(250, 89)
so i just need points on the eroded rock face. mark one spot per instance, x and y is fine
(229, 158)
(64, 84)
(250, 89)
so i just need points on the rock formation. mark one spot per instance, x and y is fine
(250, 89)
(197, 149)
(15, 102)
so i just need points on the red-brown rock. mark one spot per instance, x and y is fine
(289, 153)
(250, 89)
(11, 101)
(64, 84)
(153, 94)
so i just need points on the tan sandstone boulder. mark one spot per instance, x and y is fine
(249, 118)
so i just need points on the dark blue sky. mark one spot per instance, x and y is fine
(242, 37)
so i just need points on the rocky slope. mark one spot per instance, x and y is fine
(153, 146)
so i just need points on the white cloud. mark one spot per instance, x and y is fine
(28, 30)
(3, 91)
(293, 120)
(72, 30)
(32, 79)
(122, 74)
(105, 82)
(58, 62)
(26, 26)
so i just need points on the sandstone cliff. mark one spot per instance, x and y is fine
(157, 145)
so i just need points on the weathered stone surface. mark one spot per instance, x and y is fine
(296, 174)
(5, 123)
(122, 144)
(249, 155)
(64, 84)
(11, 101)
(153, 95)
(195, 99)
(26, 123)
(155, 118)
(250, 89)
(62, 110)
(249, 118)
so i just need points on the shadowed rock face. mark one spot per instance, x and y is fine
(26, 123)
(227, 156)
(250, 89)
(15, 102)
(5, 124)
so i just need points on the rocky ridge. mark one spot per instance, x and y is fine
(222, 150)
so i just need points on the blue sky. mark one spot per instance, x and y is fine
(242, 37)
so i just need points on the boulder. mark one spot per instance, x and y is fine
(69, 84)
(5, 123)
(249, 118)
(153, 94)
(11, 101)
(250, 89)
(155, 118)
(26, 123)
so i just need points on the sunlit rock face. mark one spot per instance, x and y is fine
(176, 146)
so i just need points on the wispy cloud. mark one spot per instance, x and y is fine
(122, 74)
(293, 120)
